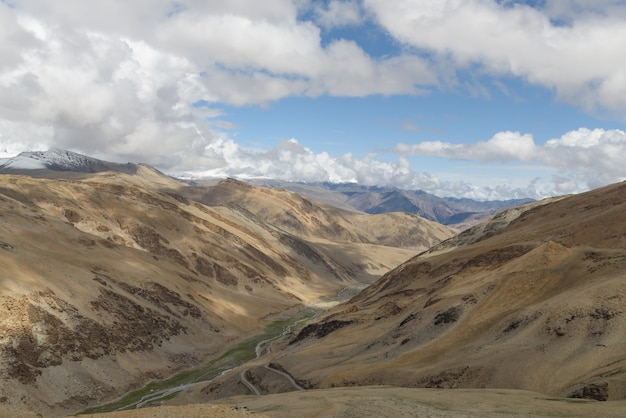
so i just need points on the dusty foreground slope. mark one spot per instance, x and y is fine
(533, 300)
(387, 402)
(394, 402)
(107, 282)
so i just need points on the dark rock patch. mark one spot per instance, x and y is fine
(320, 330)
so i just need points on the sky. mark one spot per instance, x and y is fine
(486, 99)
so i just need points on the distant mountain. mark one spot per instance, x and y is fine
(372, 199)
(455, 212)
(59, 160)
(308, 218)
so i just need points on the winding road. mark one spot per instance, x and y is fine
(286, 376)
(248, 383)
(262, 348)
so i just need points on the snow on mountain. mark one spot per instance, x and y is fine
(21, 162)
(55, 159)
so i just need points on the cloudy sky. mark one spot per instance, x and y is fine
(479, 98)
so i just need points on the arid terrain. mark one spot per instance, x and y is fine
(532, 300)
(111, 279)
(389, 402)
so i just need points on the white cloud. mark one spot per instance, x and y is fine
(581, 61)
(100, 95)
(338, 13)
(120, 80)
(593, 156)
(9, 130)
(292, 161)
(112, 78)
(504, 146)
(590, 158)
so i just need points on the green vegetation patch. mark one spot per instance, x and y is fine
(242, 352)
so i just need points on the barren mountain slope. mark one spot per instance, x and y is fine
(307, 218)
(450, 211)
(107, 282)
(536, 300)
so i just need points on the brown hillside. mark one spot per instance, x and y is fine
(306, 218)
(107, 282)
(533, 300)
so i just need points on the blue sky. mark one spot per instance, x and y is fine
(477, 98)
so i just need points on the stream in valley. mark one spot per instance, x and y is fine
(249, 349)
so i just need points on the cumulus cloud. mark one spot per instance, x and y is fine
(338, 13)
(110, 79)
(593, 156)
(124, 80)
(579, 59)
(292, 161)
(590, 158)
(503, 146)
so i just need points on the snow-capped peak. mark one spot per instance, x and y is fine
(54, 159)
(20, 162)
(58, 159)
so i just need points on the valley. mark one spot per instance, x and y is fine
(531, 300)
(253, 347)
(522, 315)
(130, 289)
(312, 208)
(113, 279)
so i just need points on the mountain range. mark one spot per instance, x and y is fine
(375, 199)
(113, 277)
(531, 300)
(454, 212)
(117, 277)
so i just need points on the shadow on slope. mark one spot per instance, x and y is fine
(532, 300)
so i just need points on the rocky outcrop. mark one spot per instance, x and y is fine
(319, 330)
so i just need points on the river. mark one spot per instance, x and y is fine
(249, 349)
